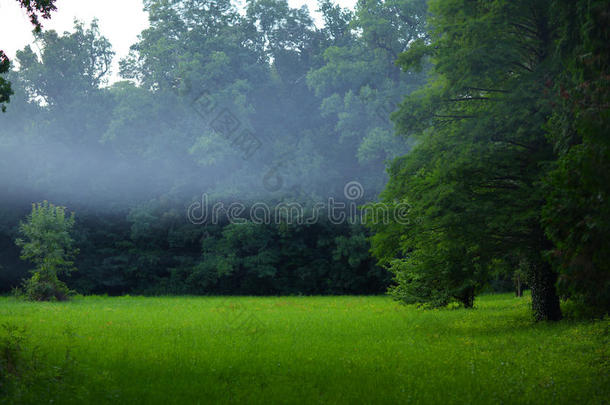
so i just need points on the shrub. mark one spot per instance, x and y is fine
(47, 243)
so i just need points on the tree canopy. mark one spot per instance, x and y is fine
(501, 158)
(484, 181)
(35, 9)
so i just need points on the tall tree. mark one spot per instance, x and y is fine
(473, 181)
(577, 213)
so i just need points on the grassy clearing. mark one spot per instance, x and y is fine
(304, 350)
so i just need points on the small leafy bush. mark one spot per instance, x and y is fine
(47, 243)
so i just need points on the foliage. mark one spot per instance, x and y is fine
(5, 86)
(577, 214)
(512, 159)
(47, 243)
(502, 157)
(473, 181)
(139, 153)
(360, 85)
(157, 253)
(35, 9)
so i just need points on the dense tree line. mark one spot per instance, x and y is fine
(311, 112)
(501, 108)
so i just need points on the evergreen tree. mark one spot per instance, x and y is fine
(473, 181)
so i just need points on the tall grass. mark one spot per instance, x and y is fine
(307, 350)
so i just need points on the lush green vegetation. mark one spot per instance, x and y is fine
(312, 109)
(502, 154)
(511, 168)
(500, 168)
(304, 350)
(35, 9)
(47, 243)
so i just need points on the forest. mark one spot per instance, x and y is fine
(498, 149)
(441, 152)
(309, 110)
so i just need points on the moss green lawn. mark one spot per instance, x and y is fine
(347, 350)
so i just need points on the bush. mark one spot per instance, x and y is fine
(38, 289)
(48, 244)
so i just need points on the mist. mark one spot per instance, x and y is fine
(262, 126)
(254, 107)
(404, 202)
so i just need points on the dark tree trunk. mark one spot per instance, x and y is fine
(467, 297)
(518, 289)
(545, 302)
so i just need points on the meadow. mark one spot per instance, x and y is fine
(347, 349)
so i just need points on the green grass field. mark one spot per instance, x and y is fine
(300, 350)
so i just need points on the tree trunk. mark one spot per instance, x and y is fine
(467, 297)
(545, 302)
(518, 290)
